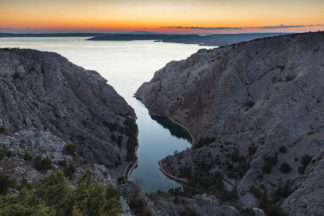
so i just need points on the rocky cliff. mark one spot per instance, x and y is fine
(255, 111)
(56, 115)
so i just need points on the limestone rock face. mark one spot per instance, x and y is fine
(46, 103)
(255, 111)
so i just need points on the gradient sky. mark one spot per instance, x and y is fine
(213, 16)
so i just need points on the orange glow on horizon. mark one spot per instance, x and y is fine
(145, 15)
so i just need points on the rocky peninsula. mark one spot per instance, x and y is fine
(255, 111)
(206, 40)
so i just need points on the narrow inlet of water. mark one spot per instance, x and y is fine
(126, 65)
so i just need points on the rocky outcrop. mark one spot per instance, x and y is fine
(255, 111)
(55, 113)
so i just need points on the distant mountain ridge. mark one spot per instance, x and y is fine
(207, 40)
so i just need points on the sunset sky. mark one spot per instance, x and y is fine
(209, 16)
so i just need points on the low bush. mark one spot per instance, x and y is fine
(269, 207)
(42, 164)
(138, 206)
(5, 183)
(176, 201)
(306, 159)
(249, 105)
(27, 157)
(285, 168)
(272, 160)
(282, 192)
(112, 192)
(189, 212)
(131, 146)
(301, 169)
(69, 170)
(255, 192)
(283, 149)
(69, 149)
(266, 167)
(4, 153)
(252, 149)
(204, 141)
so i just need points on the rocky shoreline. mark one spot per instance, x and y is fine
(181, 180)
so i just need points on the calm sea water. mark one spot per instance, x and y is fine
(126, 65)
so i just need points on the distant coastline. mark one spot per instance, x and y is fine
(206, 40)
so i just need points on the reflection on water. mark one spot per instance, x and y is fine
(175, 130)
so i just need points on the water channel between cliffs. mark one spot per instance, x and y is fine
(126, 65)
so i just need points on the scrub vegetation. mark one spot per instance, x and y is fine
(53, 197)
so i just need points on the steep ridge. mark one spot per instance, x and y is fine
(53, 109)
(255, 111)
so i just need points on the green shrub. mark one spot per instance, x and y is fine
(306, 159)
(131, 146)
(2, 129)
(266, 167)
(255, 192)
(282, 192)
(5, 183)
(16, 75)
(62, 163)
(283, 149)
(4, 153)
(189, 212)
(248, 105)
(301, 169)
(42, 164)
(69, 149)
(112, 192)
(269, 207)
(176, 201)
(25, 184)
(54, 198)
(285, 168)
(272, 160)
(204, 141)
(175, 191)
(252, 149)
(131, 131)
(112, 126)
(119, 141)
(69, 170)
(27, 157)
(131, 127)
(138, 206)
